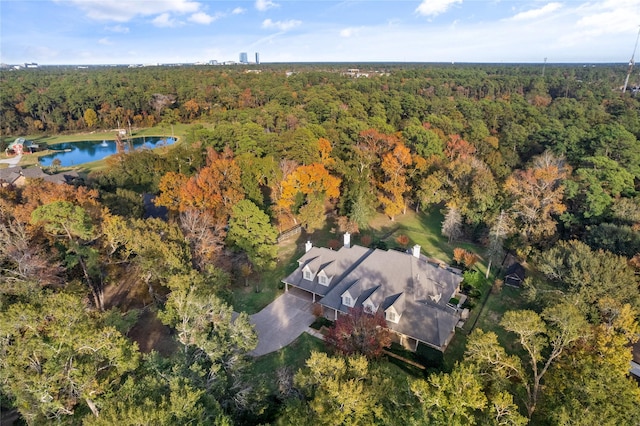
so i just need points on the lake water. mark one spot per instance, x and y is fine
(75, 153)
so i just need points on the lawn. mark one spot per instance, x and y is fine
(292, 357)
(422, 228)
(263, 289)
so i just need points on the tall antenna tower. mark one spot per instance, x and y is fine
(631, 62)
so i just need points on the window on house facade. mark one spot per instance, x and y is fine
(368, 308)
(323, 280)
(347, 300)
(391, 316)
(307, 275)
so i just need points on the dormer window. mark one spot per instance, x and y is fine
(369, 307)
(307, 275)
(391, 316)
(322, 279)
(347, 300)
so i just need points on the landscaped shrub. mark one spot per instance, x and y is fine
(402, 240)
(464, 257)
(458, 255)
(317, 310)
(321, 322)
(497, 286)
(470, 259)
(334, 244)
(366, 240)
(469, 304)
(475, 293)
(473, 278)
(382, 245)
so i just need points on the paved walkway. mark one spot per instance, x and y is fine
(281, 322)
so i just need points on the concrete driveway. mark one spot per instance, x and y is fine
(281, 322)
(13, 161)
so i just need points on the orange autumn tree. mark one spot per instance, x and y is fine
(38, 193)
(316, 185)
(215, 189)
(170, 187)
(394, 185)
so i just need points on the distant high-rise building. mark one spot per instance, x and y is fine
(244, 58)
(257, 58)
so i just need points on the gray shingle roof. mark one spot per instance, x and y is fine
(418, 290)
(33, 173)
(340, 261)
(10, 174)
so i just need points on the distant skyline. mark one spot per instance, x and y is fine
(52, 32)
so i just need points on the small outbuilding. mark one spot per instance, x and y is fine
(515, 274)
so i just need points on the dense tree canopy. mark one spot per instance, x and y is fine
(545, 166)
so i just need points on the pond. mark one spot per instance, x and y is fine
(75, 153)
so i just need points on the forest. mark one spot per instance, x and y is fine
(541, 164)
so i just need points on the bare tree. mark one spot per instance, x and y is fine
(497, 234)
(26, 261)
(204, 233)
(452, 224)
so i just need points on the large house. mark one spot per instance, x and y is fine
(17, 176)
(20, 146)
(416, 295)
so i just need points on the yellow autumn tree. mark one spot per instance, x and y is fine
(394, 186)
(316, 185)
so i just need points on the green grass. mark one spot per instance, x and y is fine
(263, 289)
(424, 229)
(292, 356)
(508, 299)
(489, 318)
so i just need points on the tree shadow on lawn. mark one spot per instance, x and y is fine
(263, 288)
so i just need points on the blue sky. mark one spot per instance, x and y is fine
(175, 31)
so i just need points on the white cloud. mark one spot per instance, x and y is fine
(349, 32)
(536, 13)
(238, 11)
(435, 7)
(118, 29)
(123, 11)
(164, 20)
(612, 16)
(263, 5)
(105, 41)
(203, 18)
(281, 25)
